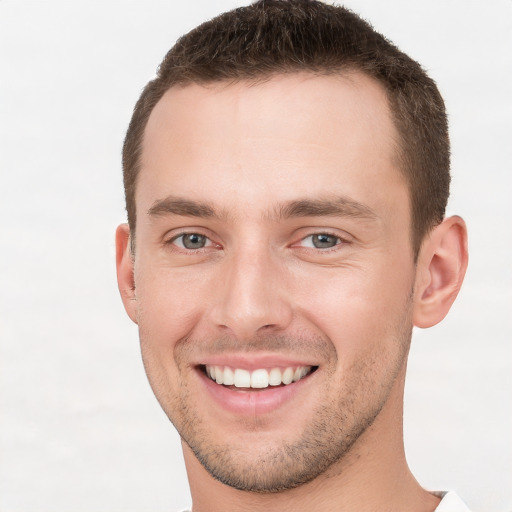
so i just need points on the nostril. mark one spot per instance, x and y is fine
(268, 327)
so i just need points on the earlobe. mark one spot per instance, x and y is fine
(442, 264)
(125, 275)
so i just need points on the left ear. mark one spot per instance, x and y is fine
(441, 267)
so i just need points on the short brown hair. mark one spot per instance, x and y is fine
(272, 37)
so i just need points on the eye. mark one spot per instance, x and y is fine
(191, 241)
(321, 241)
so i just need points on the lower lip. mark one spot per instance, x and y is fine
(251, 402)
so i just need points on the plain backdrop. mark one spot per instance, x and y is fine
(80, 430)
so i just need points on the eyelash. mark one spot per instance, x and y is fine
(339, 241)
(210, 243)
(173, 239)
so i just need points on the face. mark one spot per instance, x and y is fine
(273, 272)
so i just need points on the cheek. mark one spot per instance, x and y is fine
(362, 311)
(168, 307)
(170, 299)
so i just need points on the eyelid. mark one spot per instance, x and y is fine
(208, 242)
(338, 241)
(171, 236)
(343, 239)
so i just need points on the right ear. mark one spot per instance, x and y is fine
(124, 265)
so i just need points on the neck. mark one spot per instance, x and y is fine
(373, 475)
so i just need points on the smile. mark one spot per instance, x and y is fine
(256, 379)
(263, 385)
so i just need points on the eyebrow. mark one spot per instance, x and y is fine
(331, 207)
(336, 207)
(178, 206)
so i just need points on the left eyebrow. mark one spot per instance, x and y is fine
(338, 207)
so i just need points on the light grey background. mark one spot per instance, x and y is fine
(79, 428)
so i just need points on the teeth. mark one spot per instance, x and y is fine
(275, 377)
(300, 372)
(242, 378)
(257, 379)
(288, 376)
(229, 377)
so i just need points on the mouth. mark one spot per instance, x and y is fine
(259, 386)
(258, 379)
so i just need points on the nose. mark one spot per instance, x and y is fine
(252, 296)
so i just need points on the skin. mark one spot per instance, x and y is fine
(235, 164)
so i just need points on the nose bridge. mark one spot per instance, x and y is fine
(251, 296)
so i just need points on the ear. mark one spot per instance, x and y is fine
(124, 265)
(441, 267)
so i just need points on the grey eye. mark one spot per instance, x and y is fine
(193, 241)
(324, 241)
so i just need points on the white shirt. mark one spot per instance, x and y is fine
(450, 502)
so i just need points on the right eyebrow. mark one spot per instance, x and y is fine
(178, 206)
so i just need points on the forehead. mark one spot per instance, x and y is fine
(273, 141)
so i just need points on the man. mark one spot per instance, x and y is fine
(286, 177)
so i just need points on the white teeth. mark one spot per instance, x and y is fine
(229, 377)
(274, 377)
(242, 378)
(257, 379)
(288, 376)
(219, 375)
(300, 372)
